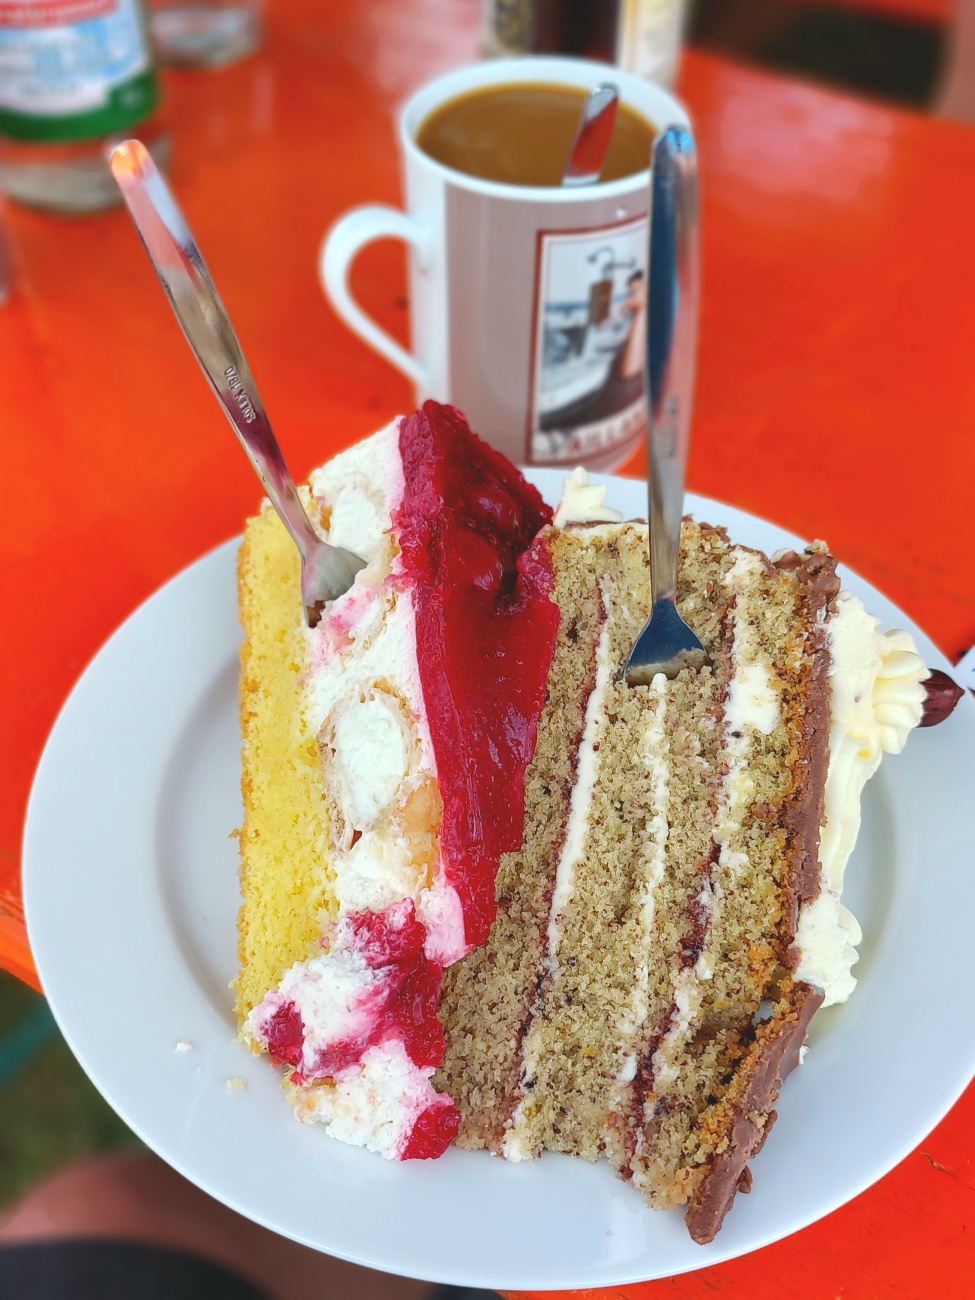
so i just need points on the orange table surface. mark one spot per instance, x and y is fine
(836, 395)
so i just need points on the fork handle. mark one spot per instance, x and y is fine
(674, 298)
(193, 297)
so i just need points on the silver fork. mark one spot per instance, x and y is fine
(667, 644)
(327, 572)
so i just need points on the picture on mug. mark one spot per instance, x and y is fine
(590, 330)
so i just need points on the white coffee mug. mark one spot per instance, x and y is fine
(527, 304)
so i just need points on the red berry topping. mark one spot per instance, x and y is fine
(433, 1132)
(389, 936)
(285, 1034)
(414, 1014)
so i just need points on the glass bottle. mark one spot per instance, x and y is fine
(642, 36)
(75, 77)
(205, 33)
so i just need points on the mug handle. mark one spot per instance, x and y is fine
(339, 248)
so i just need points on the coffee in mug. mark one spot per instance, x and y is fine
(521, 134)
(528, 301)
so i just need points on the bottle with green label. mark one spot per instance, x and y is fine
(75, 76)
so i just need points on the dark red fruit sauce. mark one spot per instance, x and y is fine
(433, 1132)
(485, 630)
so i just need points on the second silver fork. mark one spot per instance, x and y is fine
(667, 644)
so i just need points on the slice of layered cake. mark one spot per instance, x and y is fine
(672, 921)
(384, 762)
(492, 892)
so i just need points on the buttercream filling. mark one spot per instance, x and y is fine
(876, 699)
(651, 752)
(580, 803)
(751, 707)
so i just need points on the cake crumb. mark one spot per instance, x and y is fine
(235, 1085)
(183, 1046)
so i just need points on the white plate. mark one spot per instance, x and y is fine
(130, 877)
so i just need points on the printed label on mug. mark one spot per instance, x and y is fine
(590, 331)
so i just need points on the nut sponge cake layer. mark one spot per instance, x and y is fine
(638, 975)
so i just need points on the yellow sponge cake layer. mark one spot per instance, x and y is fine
(285, 852)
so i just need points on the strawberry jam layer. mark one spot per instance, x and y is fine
(485, 631)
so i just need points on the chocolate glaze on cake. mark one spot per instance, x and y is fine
(776, 1056)
(815, 571)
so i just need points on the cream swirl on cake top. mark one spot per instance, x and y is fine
(877, 698)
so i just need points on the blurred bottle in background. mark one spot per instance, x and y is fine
(642, 36)
(206, 33)
(75, 76)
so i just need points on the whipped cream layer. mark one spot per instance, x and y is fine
(876, 699)
(386, 1105)
(364, 700)
(337, 1018)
